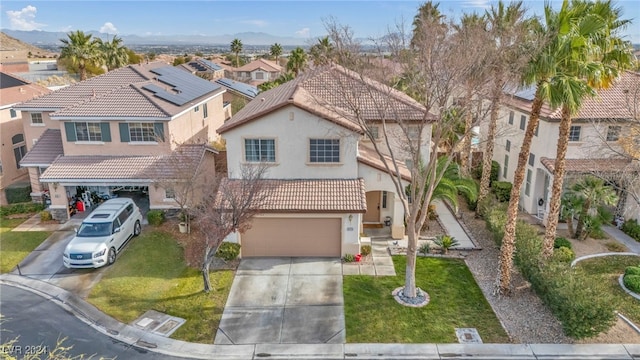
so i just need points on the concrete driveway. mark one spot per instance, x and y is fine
(285, 301)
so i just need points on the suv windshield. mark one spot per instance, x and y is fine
(94, 229)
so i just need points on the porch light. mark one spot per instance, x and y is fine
(350, 217)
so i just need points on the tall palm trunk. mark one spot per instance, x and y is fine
(508, 242)
(466, 140)
(487, 157)
(558, 179)
(583, 214)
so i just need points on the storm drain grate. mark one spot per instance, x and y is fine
(158, 323)
(468, 336)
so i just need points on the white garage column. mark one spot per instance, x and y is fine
(397, 221)
(351, 233)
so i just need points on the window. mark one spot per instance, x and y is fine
(532, 159)
(87, 131)
(508, 146)
(197, 108)
(511, 115)
(36, 119)
(384, 199)
(205, 111)
(413, 132)
(374, 132)
(0, 167)
(505, 167)
(13, 113)
(260, 150)
(19, 148)
(574, 133)
(169, 193)
(613, 133)
(324, 150)
(523, 122)
(537, 127)
(259, 76)
(142, 132)
(527, 185)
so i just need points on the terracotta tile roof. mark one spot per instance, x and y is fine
(611, 103)
(111, 169)
(313, 195)
(46, 150)
(370, 157)
(14, 89)
(586, 166)
(327, 92)
(266, 65)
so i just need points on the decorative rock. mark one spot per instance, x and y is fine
(421, 299)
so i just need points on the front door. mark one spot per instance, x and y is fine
(373, 207)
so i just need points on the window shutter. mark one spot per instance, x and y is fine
(70, 129)
(106, 132)
(124, 132)
(158, 129)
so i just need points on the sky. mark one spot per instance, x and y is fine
(300, 19)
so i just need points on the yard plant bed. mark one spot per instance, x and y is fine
(151, 274)
(16, 245)
(456, 301)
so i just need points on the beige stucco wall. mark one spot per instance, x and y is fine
(10, 172)
(398, 141)
(34, 131)
(292, 128)
(376, 180)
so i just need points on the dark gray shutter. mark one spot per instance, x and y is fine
(158, 129)
(124, 132)
(70, 129)
(106, 132)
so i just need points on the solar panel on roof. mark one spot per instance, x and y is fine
(527, 94)
(184, 86)
(245, 89)
(210, 64)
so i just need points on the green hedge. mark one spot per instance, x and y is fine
(21, 208)
(155, 217)
(584, 307)
(495, 170)
(632, 282)
(502, 189)
(228, 251)
(18, 193)
(561, 242)
(631, 228)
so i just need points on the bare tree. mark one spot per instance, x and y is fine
(227, 208)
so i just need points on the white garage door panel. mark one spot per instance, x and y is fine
(292, 237)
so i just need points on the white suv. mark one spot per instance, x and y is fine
(103, 234)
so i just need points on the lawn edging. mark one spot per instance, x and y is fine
(592, 256)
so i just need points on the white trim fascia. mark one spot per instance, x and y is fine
(107, 119)
(43, 109)
(80, 182)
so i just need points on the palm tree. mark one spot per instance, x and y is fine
(276, 51)
(82, 50)
(114, 55)
(297, 61)
(236, 48)
(453, 183)
(594, 193)
(511, 34)
(427, 13)
(322, 52)
(590, 56)
(570, 204)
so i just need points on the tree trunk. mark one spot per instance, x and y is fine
(465, 152)
(410, 278)
(558, 179)
(83, 72)
(487, 157)
(570, 225)
(508, 242)
(205, 270)
(583, 213)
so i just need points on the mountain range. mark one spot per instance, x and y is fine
(41, 38)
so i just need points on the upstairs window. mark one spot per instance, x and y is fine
(508, 146)
(19, 148)
(87, 131)
(141, 132)
(574, 133)
(36, 119)
(197, 108)
(13, 113)
(523, 122)
(511, 115)
(260, 150)
(205, 111)
(413, 132)
(324, 150)
(613, 133)
(532, 159)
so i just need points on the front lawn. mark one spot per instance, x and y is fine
(16, 245)
(151, 275)
(606, 270)
(373, 316)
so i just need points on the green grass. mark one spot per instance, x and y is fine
(151, 275)
(14, 245)
(607, 269)
(373, 316)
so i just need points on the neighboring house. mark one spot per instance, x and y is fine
(323, 180)
(238, 94)
(593, 144)
(107, 134)
(257, 72)
(203, 68)
(13, 90)
(12, 61)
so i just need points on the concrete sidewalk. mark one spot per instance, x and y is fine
(623, 238)
(453, 227)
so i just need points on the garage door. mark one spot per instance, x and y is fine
(292, 237)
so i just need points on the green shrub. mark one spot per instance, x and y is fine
(631, 228)
(365, 250)
(155, 217)
(632, 282)
(495, 171)
(45, 216)
(17, 193)
(349, 258)
(228, 251)
(424, 249)
(615, 246)
(502, 189)
(496, 219)
(562, 242)
(563, 254)
(632, 270)
(21, 208)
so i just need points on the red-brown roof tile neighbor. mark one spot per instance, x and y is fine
(587, 166)
(14, 89)
(266, 65)
(46, 149)
(330, 92)
(313, 195)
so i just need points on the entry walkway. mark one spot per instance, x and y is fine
(623, 238)
(453, 227)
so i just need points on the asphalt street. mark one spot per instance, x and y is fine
(39, 324)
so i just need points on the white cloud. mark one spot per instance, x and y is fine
(108, 28)
(483, 4)
(258, 23)
(304, 32)
(24, 19)
(66, 28)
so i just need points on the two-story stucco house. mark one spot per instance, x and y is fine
(13, 90)
(108, 133)
(324, 180)
(257, 72)
(593, 143)
(204, 68)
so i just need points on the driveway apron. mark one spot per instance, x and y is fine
(285, 301)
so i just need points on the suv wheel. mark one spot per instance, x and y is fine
(111, 258)
(137, 229)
